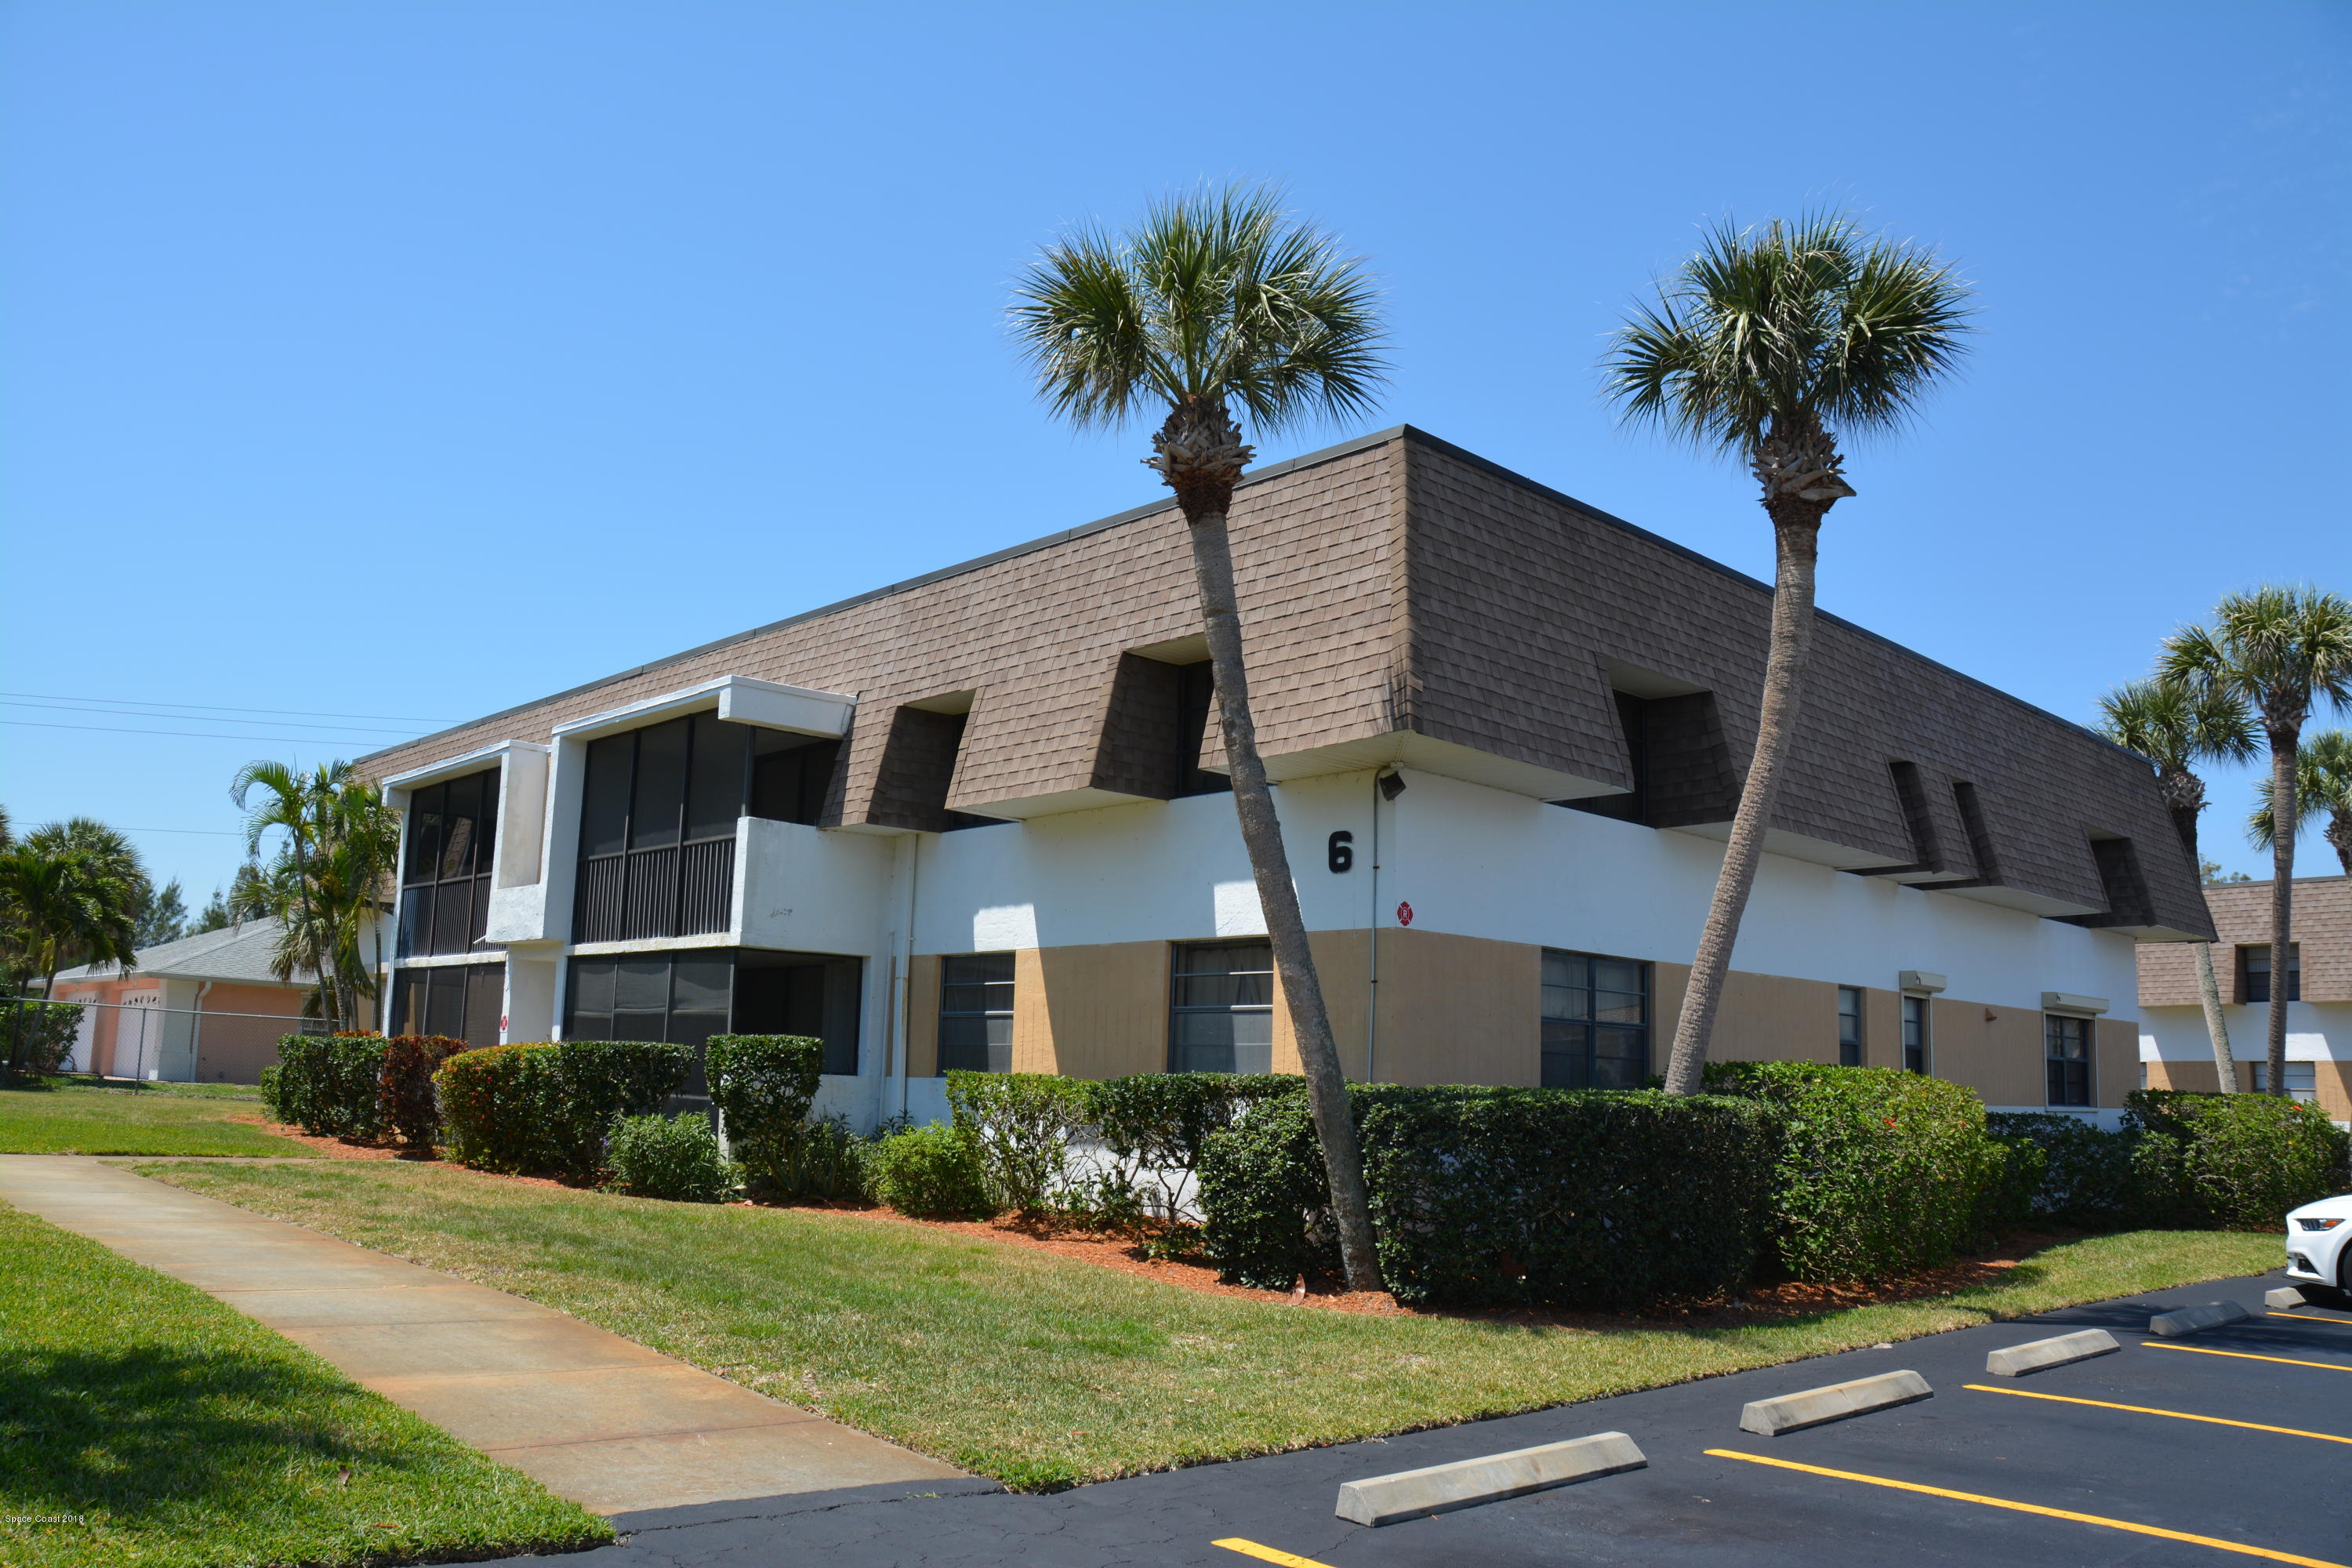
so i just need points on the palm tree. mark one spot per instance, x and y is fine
(60, 902)
(2323, 782)
(2284, 651)
(1762, 346)
(112, 854)
(1221, 300)
(324, 887)
(2176, 726)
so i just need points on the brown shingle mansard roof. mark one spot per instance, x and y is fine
(1397, 585)
(2242, 917)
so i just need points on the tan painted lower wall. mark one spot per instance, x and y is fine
(923, 1016)
(1097, 1011)
(1457, 1009)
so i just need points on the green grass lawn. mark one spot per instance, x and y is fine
(1041, 1370)
(62, 1116)
(141, 1421)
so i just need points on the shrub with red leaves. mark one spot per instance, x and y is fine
(407, 1106)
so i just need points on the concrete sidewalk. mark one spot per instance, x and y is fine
(597, 1418)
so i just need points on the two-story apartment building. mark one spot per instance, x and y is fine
(2176, 1052)
(977, 819)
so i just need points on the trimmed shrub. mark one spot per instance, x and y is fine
(550, 1106)
(1155, 1125)
(2230, 1162)
(327, 1084)
(828, 1161)
(35, 1038)
(1505, 1197)
(269, 1101)
(1020, 1126)
(1877, 1172)
(677, 1158)
(763, 1086)
(406, 1106)
(2084, 1178)
(931, 1172)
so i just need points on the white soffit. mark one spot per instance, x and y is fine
(764, 704)
(472, 761)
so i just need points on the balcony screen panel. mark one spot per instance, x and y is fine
(480, 924)
(641, 984)
(597, 908)
(705, 887)
(415, 920)
(791, 775)
(453, 917)
(659, 802)
(485, 1002)
(651, 895)
(591, 984)
(604, 799)
(714, 796)
(424, 833)
(463, 816)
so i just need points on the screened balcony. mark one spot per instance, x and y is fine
(657, 820)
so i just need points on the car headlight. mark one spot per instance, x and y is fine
(2319, 1224)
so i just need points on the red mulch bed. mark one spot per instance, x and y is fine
(1763, 1303)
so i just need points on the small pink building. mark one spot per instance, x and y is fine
(204, 1009)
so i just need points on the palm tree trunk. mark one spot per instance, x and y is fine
(1796, 541)
(2339, 835)
(2216, 1027)
(2284, 823)
(1293, 961)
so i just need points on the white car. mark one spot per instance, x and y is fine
(2316, 1237)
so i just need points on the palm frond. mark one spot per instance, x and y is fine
(2176, 724)
(1814, 323)
(1218, 296)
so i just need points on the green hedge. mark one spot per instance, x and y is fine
(549, 1108)
(1877, 1171)
(2230, 1162)
(677, 1158)
(1020, 1126)
(35, 1038)
(1155, 1126)
(2085, 1178)
(406, 1106)
(329, 1085)
(763, 1086)
(1505, 1197)
(931, 1172)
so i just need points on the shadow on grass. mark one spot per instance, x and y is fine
(136, 1433)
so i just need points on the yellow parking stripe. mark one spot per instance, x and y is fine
(2311, 1318)
(2147, 1410)
(2242, 1355)
(1268, 1554)
(2262, 1551)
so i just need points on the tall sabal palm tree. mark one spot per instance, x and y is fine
(112, 854)
(1220, 301)
(2285, 651)
(1763, 346)
(2323, 782)
(2176, 726)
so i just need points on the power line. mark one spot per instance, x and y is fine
(209, 832)
(191, 734)
(195, 718)
(222, 708)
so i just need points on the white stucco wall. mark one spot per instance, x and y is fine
(2316, 1032)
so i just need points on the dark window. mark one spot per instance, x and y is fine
(1596, 1021)
(2254, 963)
(2301, 1080)
(791, 775)
(444, 893)
(1633, 723)
(1849, 1025)
(657, 819)
(1914, 1033)
(801, 993)
(1222, 1007)
(2066, 1042)
(456, 1001)
(1196, 712)
(976, 1012)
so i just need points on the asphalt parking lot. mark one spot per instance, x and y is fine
(2233, 1444)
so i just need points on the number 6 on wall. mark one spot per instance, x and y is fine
(1342, 850)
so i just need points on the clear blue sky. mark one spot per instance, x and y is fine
(417, 359)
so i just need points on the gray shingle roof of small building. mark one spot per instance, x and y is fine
(240, 953)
